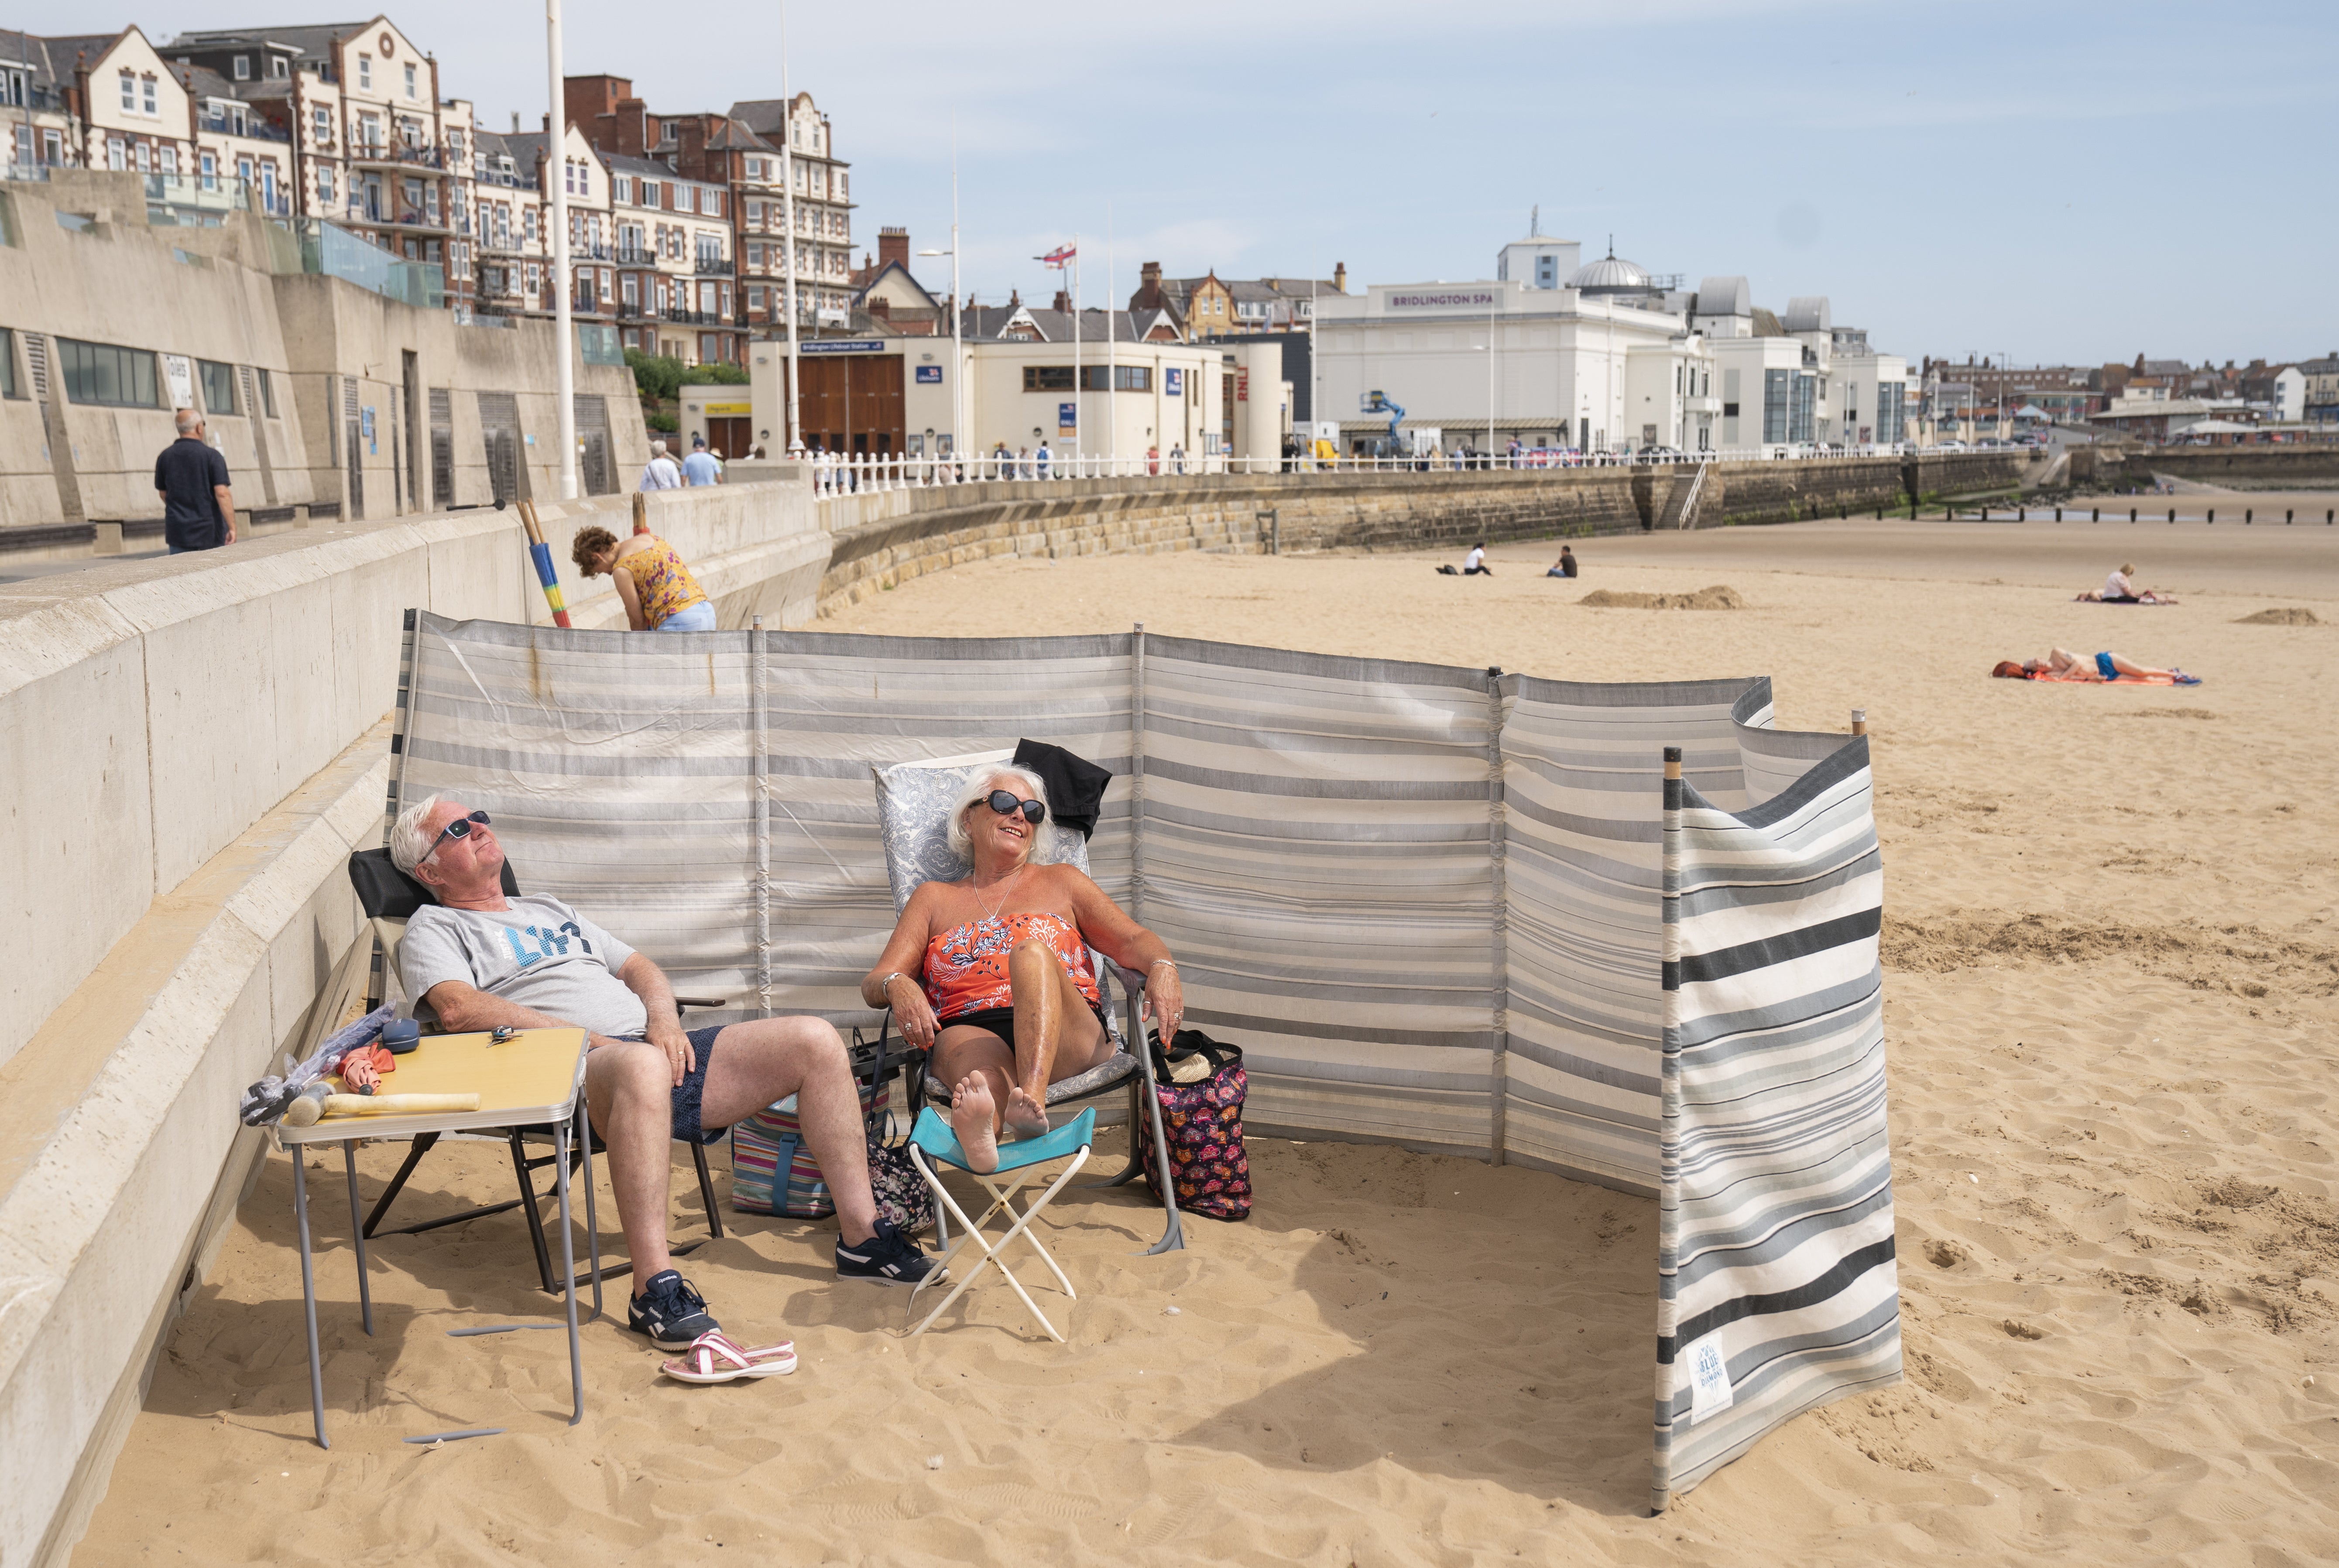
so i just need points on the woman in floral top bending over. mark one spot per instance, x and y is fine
(659, 592)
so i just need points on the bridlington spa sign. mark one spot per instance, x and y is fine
(1460, 298)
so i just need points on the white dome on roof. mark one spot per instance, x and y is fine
(1610, 276)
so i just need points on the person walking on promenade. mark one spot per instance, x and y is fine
(701, 468)
(1178, 457)
(660, 473)
(191, 478)
(1042, 458)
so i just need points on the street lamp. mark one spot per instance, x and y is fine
(556, 144)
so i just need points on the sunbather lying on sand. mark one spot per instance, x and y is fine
(2063, 665)
(2120, 589)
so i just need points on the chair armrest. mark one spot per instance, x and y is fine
(700, 1002)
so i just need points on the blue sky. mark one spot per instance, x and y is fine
(2059, 181)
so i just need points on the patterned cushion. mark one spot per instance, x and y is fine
(914, 802)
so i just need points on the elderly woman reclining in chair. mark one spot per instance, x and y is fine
(991, 976)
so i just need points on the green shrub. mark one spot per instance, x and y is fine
(664, 424)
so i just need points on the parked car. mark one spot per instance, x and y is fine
(1952, 445)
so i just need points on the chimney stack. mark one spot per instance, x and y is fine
(1063, 303)
(515, 121)
(893, 245)
(1339, 277)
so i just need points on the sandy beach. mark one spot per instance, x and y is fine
(2112, 954)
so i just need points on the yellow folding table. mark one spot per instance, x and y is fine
(534, 1077)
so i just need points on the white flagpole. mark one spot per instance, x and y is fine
(1076, 350)
(556, 149)
(788, 221)
(1111, 363)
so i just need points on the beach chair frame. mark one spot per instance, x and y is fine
(930, 1139)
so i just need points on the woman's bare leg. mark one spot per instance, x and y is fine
(1036, 973)
(2127, 666)
(1054, 1039)
(979, 1069)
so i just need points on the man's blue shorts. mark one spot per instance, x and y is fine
(691, 1091)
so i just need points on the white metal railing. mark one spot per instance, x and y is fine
(836, 474)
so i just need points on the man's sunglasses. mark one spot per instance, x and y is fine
(1006, 803)
(459, 828)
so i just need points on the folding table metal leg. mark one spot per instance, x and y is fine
(308, 1297)
(569, 1270)
(592, 1219)
(357, 1228)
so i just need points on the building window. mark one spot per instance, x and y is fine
(1776, 391)
(649, 192)
(409, 82)
(219, 386)
(365, 70)
(147, 94)
(754, 298)
(171, 161)
(129, 94)
(624, 184)
(324, 186)
(244, 67)
(102, 373)
(8, 387)
(1047, 378)
(279, 68)
(145, 157)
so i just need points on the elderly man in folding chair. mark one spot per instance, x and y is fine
(990, 974)
(480, 961)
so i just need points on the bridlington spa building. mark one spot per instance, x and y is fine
(1599, 356)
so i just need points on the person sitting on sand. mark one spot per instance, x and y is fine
(990, 974)
(2120, 589)
(477, 959)
(1565, 566)
(2063, 665)
(657, 589)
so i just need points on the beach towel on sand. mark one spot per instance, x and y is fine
(2008, 670)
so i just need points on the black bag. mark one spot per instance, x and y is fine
(1202, 1121)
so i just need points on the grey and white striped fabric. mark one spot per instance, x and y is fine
(1425, 900)
(1777, 1289)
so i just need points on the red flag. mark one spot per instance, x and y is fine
(1062, 256)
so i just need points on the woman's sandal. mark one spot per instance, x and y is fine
(713, 1358)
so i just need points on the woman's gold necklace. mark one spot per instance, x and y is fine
(990, 914)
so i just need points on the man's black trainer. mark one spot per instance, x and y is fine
(670, 1311)
(888, 1257)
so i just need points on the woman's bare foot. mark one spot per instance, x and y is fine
(975, 1119)
(1026, 1117)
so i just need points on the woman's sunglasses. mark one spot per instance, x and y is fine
(459, 828)
(1006, 804)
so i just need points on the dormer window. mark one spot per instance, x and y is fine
(279, 68)
(244, 67)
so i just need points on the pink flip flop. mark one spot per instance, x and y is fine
(713, 1358)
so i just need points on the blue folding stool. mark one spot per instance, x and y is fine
(932, 1143)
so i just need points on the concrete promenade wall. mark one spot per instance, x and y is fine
(886, 538)
(193, 745)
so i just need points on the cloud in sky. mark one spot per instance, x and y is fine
(2052, 182)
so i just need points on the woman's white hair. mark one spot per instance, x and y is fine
(980, 786)
(409, 841)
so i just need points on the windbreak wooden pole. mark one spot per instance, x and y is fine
(1668, 1143)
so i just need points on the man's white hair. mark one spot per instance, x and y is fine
(980, 786)
(657, 449)
(410, 840)
(187, 421)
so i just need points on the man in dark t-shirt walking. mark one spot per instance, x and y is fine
(191, 477)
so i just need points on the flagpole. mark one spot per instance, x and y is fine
(1111, 362)
(1077, 388)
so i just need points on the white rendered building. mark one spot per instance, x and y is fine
(1598, 358)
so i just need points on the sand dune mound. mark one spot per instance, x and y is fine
(2282, 618)
(1717, 598)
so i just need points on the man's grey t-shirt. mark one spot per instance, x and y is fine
(538, 953)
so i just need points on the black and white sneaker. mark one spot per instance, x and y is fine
(670, 1311)
(888, 1257)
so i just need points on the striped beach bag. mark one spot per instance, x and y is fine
(772, 1171)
